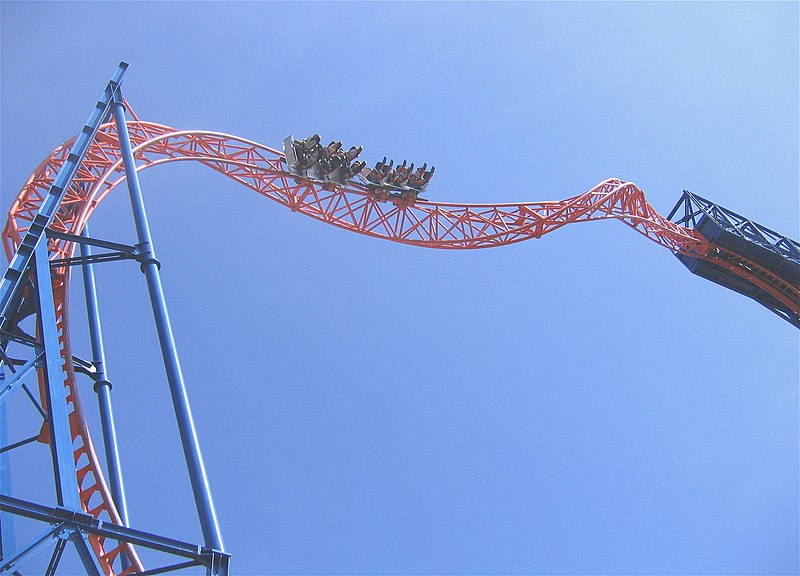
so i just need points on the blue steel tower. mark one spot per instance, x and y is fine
(32, 286)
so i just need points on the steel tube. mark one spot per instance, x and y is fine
(180, 399)
(103, 386)
(8, 538)
(21, 557)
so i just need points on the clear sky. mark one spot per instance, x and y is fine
(579, 404)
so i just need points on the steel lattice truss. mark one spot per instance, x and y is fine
(695, 207)
(353, 207)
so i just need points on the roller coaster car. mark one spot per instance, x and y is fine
(392, 193)
(329, 165)
(400, 184)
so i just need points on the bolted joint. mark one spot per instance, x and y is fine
(101, 382)
(78, 519)
(117, 100)
(217, 563)
(144, 256)
(143, 262)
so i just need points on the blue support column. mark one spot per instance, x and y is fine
(90, 563)
(103, 386)
(180, 399)
(57, 416)
(8, 542)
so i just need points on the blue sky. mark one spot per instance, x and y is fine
(579, 404)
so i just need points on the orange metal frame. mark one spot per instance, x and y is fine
(353, 207)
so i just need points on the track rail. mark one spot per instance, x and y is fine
(353, 207)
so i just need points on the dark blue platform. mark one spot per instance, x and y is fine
(758, 244)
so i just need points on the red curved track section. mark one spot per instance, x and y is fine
(354, 208)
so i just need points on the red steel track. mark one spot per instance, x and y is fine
(354, 208)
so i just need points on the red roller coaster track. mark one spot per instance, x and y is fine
(352, 207)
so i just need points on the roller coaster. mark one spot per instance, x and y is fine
(46, 235)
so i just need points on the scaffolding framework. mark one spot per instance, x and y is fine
(89, 512)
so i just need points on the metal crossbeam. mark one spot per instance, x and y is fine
(94, 259)
(118, 251)
(28, 440)
(31, 549)
(20, 338)
(92, 241)
(18, 378)
(216, 562)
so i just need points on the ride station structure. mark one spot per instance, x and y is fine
(46, 236)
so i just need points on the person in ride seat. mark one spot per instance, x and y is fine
(355, 168)
(332, 148)
(385, 169)
(307, 144)
(353, 153)
(337, 160)
(426, 176)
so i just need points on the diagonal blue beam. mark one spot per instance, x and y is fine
(56, 557)
(18, 378)
(58, 417)
(198, 478)
(31, 550)
(85, 553)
